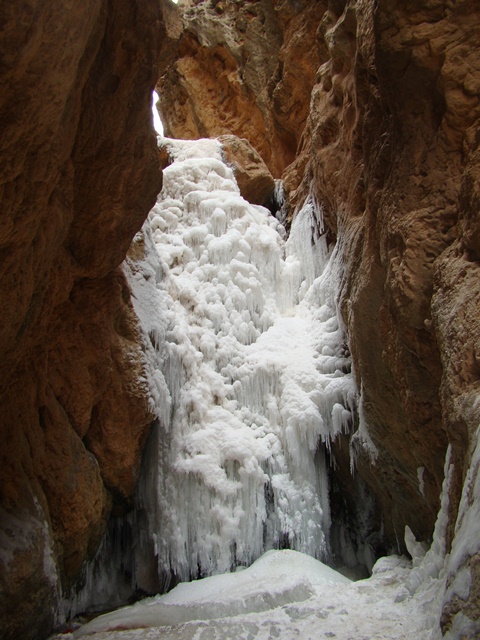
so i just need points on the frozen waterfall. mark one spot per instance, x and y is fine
(247, 372)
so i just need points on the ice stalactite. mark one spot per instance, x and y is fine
(247, 370)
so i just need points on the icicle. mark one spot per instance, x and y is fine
(432, 564)
(360, 440)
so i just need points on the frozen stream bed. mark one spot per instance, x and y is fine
(284, 594)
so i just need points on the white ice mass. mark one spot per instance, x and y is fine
(248, 371)
(291, 596)
(249, 377)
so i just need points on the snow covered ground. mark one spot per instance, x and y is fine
(285, 595)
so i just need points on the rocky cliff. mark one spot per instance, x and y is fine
(225, 69)
(372, 107)
(78, 173)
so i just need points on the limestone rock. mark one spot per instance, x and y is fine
(254, 180)
(78, 173)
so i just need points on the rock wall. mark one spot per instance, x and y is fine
(374, 108)
(224, 69)
(79, 171)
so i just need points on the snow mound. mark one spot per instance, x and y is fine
(276, 579)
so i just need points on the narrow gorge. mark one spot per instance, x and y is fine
(245, 354)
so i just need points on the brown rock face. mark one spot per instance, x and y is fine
(390, 179)
(254, 180)
(391, 146)
(227, 68)
(390, 149)
(78, 173)
(455, 305)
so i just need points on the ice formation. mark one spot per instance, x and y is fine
(247, 372)
(286, 594)
(249, 378)
(277, 579)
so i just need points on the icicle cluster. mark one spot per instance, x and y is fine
(247, 372)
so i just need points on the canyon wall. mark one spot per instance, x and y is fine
(79, 171)
(370, 107)
(224, 69)
(373, 108)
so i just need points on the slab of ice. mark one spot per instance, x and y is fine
(283, 595)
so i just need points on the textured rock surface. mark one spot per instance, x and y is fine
(227, 68)
(78, 173)
(254, 180)
(455, 312)
(390, 149)
(390, 180)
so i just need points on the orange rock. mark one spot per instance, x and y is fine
(79, 170)
(248, 73)
(254, 180)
